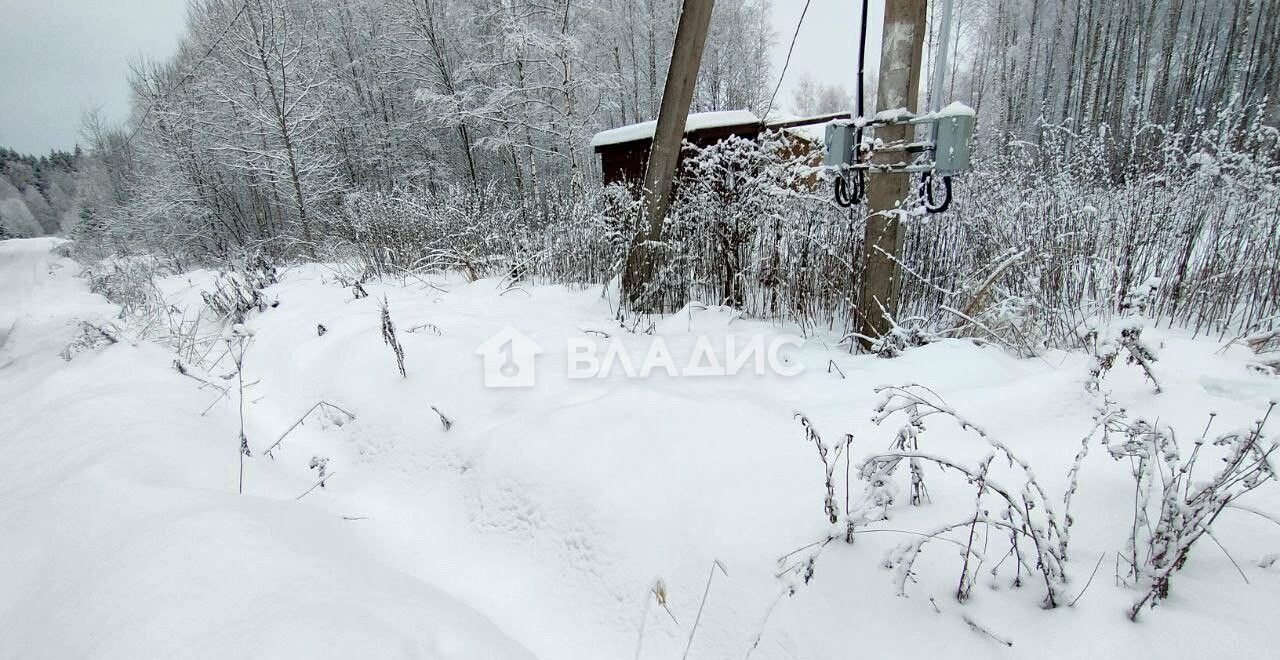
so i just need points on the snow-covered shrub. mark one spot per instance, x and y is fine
(92, 337)
(1128, 339)
(1037, 539)
(238, 290)
(1008, 503)
(1137, 352)
(231, 298)
(321, 465)
(830, 457)
(1266, 347)
(479, 232)
(753, 226)
(902, 335)
(387, 234)
(1264, 342)
(129, 283)
(389, 336)
(1173, 509)
(237, 338)
(445, 422)
(907, 440)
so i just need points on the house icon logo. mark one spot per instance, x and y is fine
(508, 359)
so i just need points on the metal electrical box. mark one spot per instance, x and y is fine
(951, 144)
(839, 144)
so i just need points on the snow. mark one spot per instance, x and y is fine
(696, 121)
(538, 525)
(1206, 163)
(892, 115)
(955, 109)
(815, 132)
(124, 536)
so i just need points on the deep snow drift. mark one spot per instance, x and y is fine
(540, 522)
(123, 535)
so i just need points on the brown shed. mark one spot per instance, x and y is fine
(624, 151)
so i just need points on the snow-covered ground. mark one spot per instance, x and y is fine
(540, 522)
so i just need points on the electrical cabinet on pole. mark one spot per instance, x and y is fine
(878, 168)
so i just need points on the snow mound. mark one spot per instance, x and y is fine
(695, 318)
(124, 536)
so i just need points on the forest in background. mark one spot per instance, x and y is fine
(1118, 142)
(38, 196)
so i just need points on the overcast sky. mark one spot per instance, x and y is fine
(60, 57)
(828, 45)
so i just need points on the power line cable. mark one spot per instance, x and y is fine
(850, 193)
(787, 62)
(862, 56)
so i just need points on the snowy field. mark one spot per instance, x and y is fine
(541, 522)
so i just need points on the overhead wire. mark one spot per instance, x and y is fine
(850, 193)
(787, 62)
(190, 72)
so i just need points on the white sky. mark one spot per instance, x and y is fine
(60, 57)
(828, 45)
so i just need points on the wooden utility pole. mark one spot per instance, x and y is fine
(664, 152)
(900, 65)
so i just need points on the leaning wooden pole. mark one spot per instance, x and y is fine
(901, 51)
(664, 154)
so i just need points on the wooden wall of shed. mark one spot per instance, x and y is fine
(626, 162)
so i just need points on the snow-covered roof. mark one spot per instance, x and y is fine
(892, 115)
(813, 132)
(956, 109)
(697, 121)
(810, 132)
